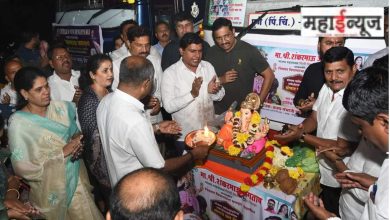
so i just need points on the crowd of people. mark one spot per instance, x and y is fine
(91, 143)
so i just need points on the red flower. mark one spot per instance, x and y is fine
(268, 160)
(270, 148)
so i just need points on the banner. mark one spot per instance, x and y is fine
(289, 63)
(82, 41)
(233, 10)
(206, 195)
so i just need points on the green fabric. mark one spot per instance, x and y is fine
(37, 155)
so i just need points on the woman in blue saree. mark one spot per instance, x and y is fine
(45, 142)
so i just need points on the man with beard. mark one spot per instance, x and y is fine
(236, 63)
(138, 44)
(313, 77)
(162, 34)
(64, 84)
(29, 51)
(329, 118)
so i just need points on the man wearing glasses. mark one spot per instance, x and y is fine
(236, 63)
(63, 83)
(138, 44)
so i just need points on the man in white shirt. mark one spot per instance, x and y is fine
(162, 33)
(367, 99)
(8, 93)
(64, 83)
(126, 133)
(122, 51)
(189, 88)
(138, 44)
(331, 120)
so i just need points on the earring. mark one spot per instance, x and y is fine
(26, 98)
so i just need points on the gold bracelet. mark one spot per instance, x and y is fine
(9, 190)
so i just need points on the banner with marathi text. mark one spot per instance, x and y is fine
(289, 63)
(206, 195)
(82, 41)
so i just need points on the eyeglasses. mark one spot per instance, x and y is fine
(62, 57)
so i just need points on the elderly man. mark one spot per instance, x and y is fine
(330, 119)
(183, 24)
(126, 133)
(189, 88)
(146, 193)
(236, 63)
(64, 83)
(138, 44)
(313, 77)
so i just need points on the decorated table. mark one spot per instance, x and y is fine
(247, 174)
(214, 191)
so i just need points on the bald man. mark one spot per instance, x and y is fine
(146, 193)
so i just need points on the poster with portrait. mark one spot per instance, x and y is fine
(233, 10)
(82, 41)
(289, 62)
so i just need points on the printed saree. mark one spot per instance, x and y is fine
(59, 188)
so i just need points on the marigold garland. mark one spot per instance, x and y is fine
(258, 176)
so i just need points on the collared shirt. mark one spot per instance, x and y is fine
(156, 61)
(127, 135)
(377, 206)
(63, 90)
(122, 51)
(333, 121)
(11, 92)
(159, 48)
(366, 159)
(191, 113)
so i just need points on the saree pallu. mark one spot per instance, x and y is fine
(59, 188)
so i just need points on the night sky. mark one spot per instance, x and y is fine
(19, 15)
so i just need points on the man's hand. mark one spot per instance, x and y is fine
(307, 105)
(316, 206)
(196, 86)
(229, 76)
(77, 95)
(200, 152)
(6, 99)
(355, 180)
(294, 132)
(213, 86)
(169, 127)
(154, 104)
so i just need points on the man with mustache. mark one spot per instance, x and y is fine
(313, 77)
(334, 127)
(163, 33)
(236, 63)
(183, 24)
(138, 44)
(121, 52)
(64, 83)
(189, 88)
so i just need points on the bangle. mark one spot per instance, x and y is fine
(17, 192)
(192, 155)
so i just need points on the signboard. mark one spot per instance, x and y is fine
(233, 10)
(277, 21)
(288, 63)
(82, 41)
